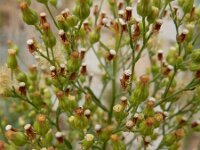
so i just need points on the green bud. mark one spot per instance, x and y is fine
(117, 143)
(194, 66)
(190, 28)
(74, 62)
(29, 16)
(153, 15)
(144, 8)
(72, 20)
(157, 3)
(12, 60)
(172, 55)
(53, 2)
(186, 5)
(21, 76)
(94, 36)
(168, 139)
(88, 141)
(141, 91)
(62, 24)
(67, 103)
(18, 138)
(196, 56)
(146, 127)
(48, 37)
(48, 138)
(119, 112)
(12, 45)
(189, 48)
(79, 121)
(82, 11)
(43, 1)
(41, 125)
(175, 146)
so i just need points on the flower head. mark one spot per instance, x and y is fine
(5, 79)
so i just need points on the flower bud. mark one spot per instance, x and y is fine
(146, 127)
(29, 16)
(87, 113)
(128, 13)
(53, 2)
(196, 125)
(48, 36)
(53, 71)
(82, 11)
(31, 46)
(144, 7)
(119, 112)
(124, 102)
(62, 69)
(65, 13)
(62, 35)
(167, 70)
(43, 18)
(22, 88)
(117, 143)
(157, 26)
(18, 138)
(59, 137)
(160, 55)
(159, 117)
(98, 128)
(94, 36)
(181, 38)
(72, 21)
(186, 5)
(169, 139)
(41, 125)
(153, 15)
(147, 140)
(111, 54)
(29, 131)
(121, 13)
(83, 70)
(74, 62)
(125, 79)
(66, 102)
(79, 121)
(179, 133)
(12, 60)
(88, 141)
(123, 25)
(157, 3)
(136, 31)
(196, 55)
(141, 91)
(82, 53)
(129, 124)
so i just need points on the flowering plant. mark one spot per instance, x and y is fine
(58, 104)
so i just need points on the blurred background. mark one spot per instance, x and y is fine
(12, 28)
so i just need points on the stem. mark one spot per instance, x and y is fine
(47, 6)
(117, 45)
(133, 54)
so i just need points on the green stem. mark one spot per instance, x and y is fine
(47, 6)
